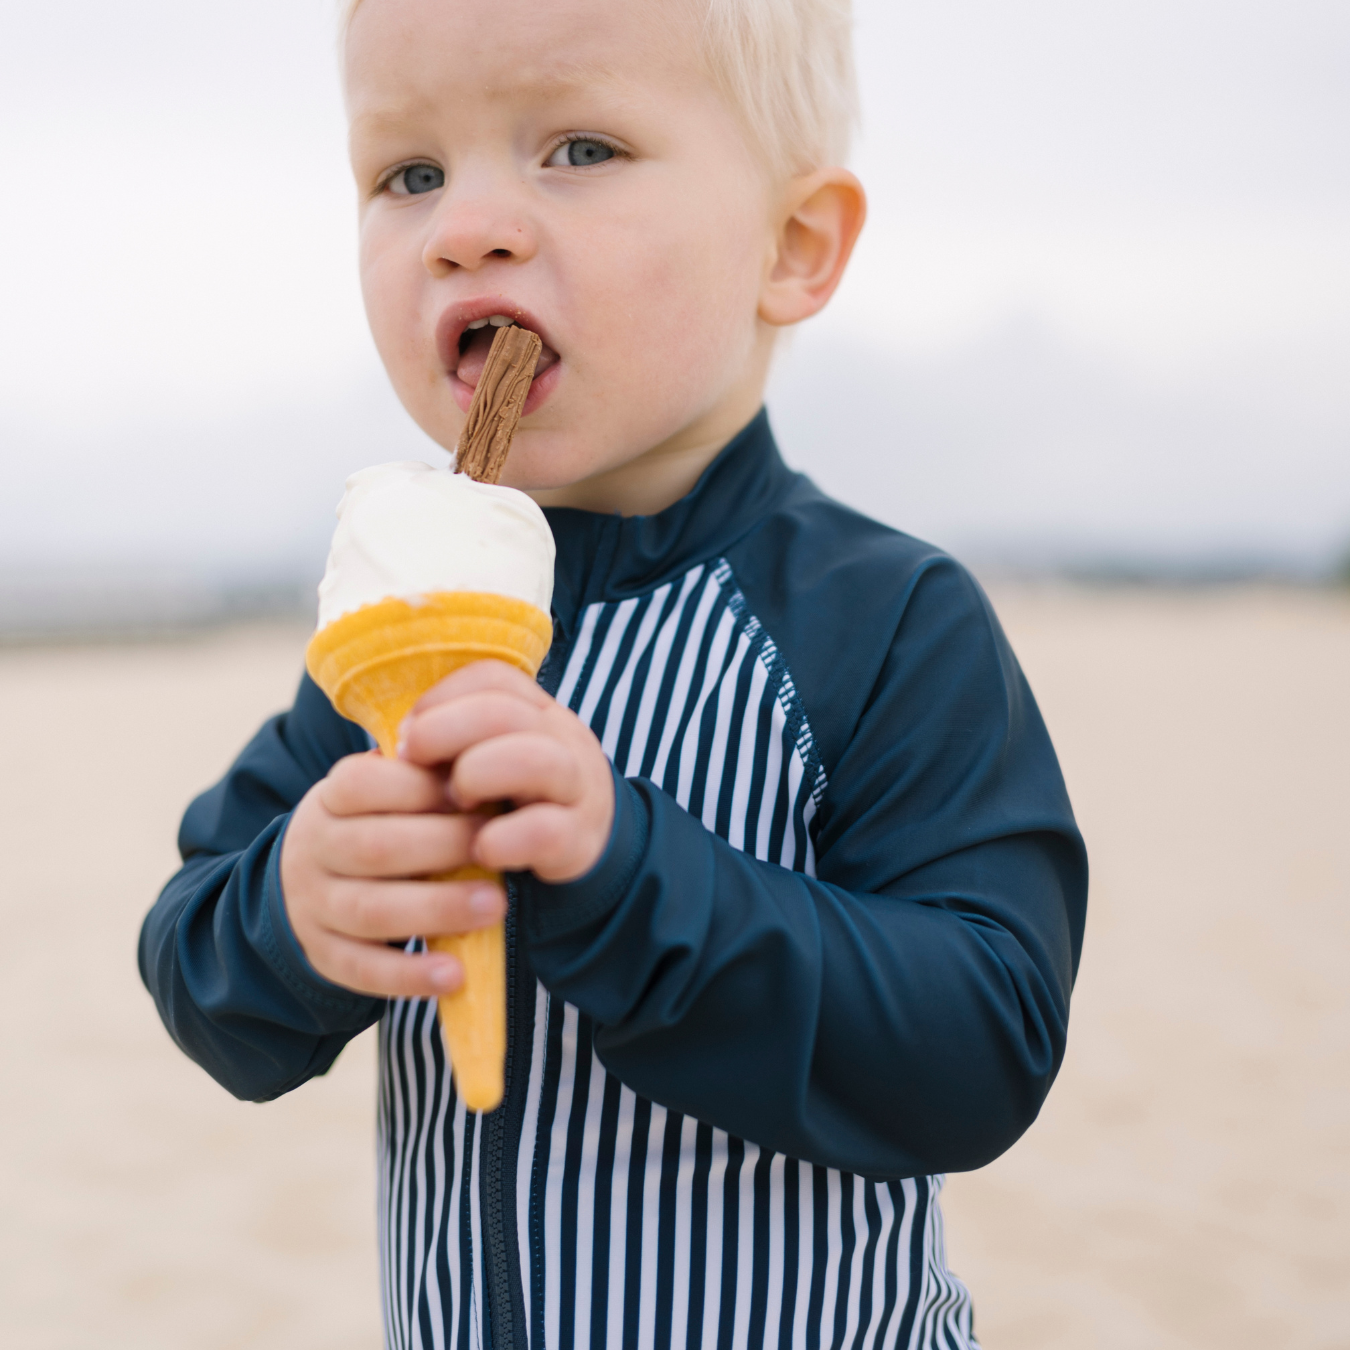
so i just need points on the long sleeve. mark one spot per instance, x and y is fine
(217, 952)
(905, 1010)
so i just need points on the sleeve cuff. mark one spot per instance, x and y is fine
(283, 952)
(551, 910)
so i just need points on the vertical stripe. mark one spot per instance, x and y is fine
(796, 1251)
(662, 692)
(580, 654)
(773, 770)
(881, 1216)
(744, 765)
(751, 1255)
(605, 661)
(776, 1239)
(645, 670)
(848, 1238)
(425, 1026)
(525, 1155)
(436, 1272)
(458, 1151)
(620, 697)
(727, 687)
(691, 743)
(867, 1225)
(641, 1229)
(736, 1217)
(809, 859)
(650, 1229)
(663, 1310)
(384, 1146)
(478, 1294)
(466, 1332)
(898, 1300)
(397, 1229)
(911, 1253)
(698, 1235)
(678, 616)
(583, 1063)
(795, 773)
(712, 1262)
(604, 1195)
(590, 1151)
(540, 1255)
(635, 1223)
(685, 674)
(411, 1121)
(618, 1220)
(553, 1176)
(680, 1292)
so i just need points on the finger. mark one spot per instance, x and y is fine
(519, 768)
(544, 839)
(440, 733)
(397, 846)
(478, 676)
(386, 910)
(381, 972)
(370, 784)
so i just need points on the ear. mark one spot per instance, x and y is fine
(819, 221)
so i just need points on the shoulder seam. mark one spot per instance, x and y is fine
(765, 650)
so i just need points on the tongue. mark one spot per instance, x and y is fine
(475, 355)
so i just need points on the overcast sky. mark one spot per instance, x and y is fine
(1101, 308)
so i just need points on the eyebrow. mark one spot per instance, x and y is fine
(560, 81)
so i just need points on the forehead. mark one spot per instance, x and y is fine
(408, 57)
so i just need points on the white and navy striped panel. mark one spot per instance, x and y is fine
(641, 1229)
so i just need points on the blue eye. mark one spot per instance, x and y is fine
(416, 179)
(580, 153)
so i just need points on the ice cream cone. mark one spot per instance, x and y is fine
(374, 663)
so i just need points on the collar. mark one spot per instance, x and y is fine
(613, 557)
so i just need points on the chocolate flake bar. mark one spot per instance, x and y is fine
(497, 403)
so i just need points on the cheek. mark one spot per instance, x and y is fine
(390, 291)
(675, 303)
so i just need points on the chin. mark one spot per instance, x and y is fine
(544, 468)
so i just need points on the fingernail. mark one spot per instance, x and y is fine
(402, 743)
(443, 974)
(485, 900)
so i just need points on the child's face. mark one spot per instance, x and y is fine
(569, 165)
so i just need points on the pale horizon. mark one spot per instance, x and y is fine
(1100, 315)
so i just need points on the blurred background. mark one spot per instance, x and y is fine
(1099, 321)
(1094, 341)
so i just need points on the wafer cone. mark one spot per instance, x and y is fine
(374, 664)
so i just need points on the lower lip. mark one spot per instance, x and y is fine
(540, 388)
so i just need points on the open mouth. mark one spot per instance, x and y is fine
(476, 341)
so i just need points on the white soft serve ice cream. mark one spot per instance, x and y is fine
(407, 529)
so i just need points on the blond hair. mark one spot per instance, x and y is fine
(786, 67)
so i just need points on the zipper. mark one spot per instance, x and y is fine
(504, 1320)
(505, 1329)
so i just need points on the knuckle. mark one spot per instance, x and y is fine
(422, 731)
(555, 831)
(367, 910)
(348, 771)
(344, 966)
(372, 850)
(539, 753)
(344, 786)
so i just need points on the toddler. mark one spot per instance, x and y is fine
(795, 896)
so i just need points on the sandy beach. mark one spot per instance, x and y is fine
(1187, 1185)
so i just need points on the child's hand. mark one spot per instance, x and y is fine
(349, 862)
(507, 740)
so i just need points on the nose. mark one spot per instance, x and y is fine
(476, 223)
